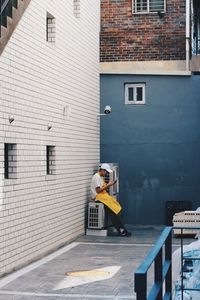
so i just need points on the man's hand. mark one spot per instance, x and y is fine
(111, 183)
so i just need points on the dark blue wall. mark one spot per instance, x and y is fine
(157, 145)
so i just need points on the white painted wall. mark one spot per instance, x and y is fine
(45, 83)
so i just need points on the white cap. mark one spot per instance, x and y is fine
(106, 167)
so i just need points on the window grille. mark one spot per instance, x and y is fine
(148, 6)
(10, 161)
(50, 29)
(50, 160)
(76, 8)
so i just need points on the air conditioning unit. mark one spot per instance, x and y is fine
(96, 215)
(188, 219)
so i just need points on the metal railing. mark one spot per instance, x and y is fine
(195, 18)
(182, 285)
(162, 262)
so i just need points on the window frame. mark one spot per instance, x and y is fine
(50, 28)
(135, 85)
(50, 160)
(77, 8)
(10, 161)
(147, 11)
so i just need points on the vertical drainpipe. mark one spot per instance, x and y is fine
(187, 35)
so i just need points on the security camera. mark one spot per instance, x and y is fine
(107, 110)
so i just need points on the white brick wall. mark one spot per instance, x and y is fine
(44, 83)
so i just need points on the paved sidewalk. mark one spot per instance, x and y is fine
(101, 268)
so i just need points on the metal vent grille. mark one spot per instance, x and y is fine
(96, 215)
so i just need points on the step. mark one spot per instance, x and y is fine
(97, 232)
(11, 23)
(3, 20)
(8, 10)
(14, 3)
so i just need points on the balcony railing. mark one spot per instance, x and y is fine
(162, 270)
(187, 257)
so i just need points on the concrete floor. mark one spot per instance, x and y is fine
(102, 268)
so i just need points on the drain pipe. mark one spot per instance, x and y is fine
(187, 25)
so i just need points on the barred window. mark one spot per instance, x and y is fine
(10, 161)
(77, 8)
(50, 160)
(148, 6)
(50, 28)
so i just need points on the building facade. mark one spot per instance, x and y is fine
(150, 77)
(49, 137)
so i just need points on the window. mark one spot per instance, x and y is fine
(135, 93)
(148, 6)
(76, 8)
(50, 160)
(50, 29)
(10, 161)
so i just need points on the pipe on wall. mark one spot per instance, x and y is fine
(187, 35)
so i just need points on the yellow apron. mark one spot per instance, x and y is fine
(109, 201)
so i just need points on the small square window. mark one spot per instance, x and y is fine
(50, 160)
(148, 6)
(135, 93)
(10, 161)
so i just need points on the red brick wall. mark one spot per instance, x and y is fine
(128, 37)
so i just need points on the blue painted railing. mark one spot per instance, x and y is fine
(181, 234)
(162, 261)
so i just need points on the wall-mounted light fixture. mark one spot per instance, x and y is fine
(107, 111)
(67, 110)
(49, 126)
(11, 119)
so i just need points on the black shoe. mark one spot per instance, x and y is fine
(125, 233)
